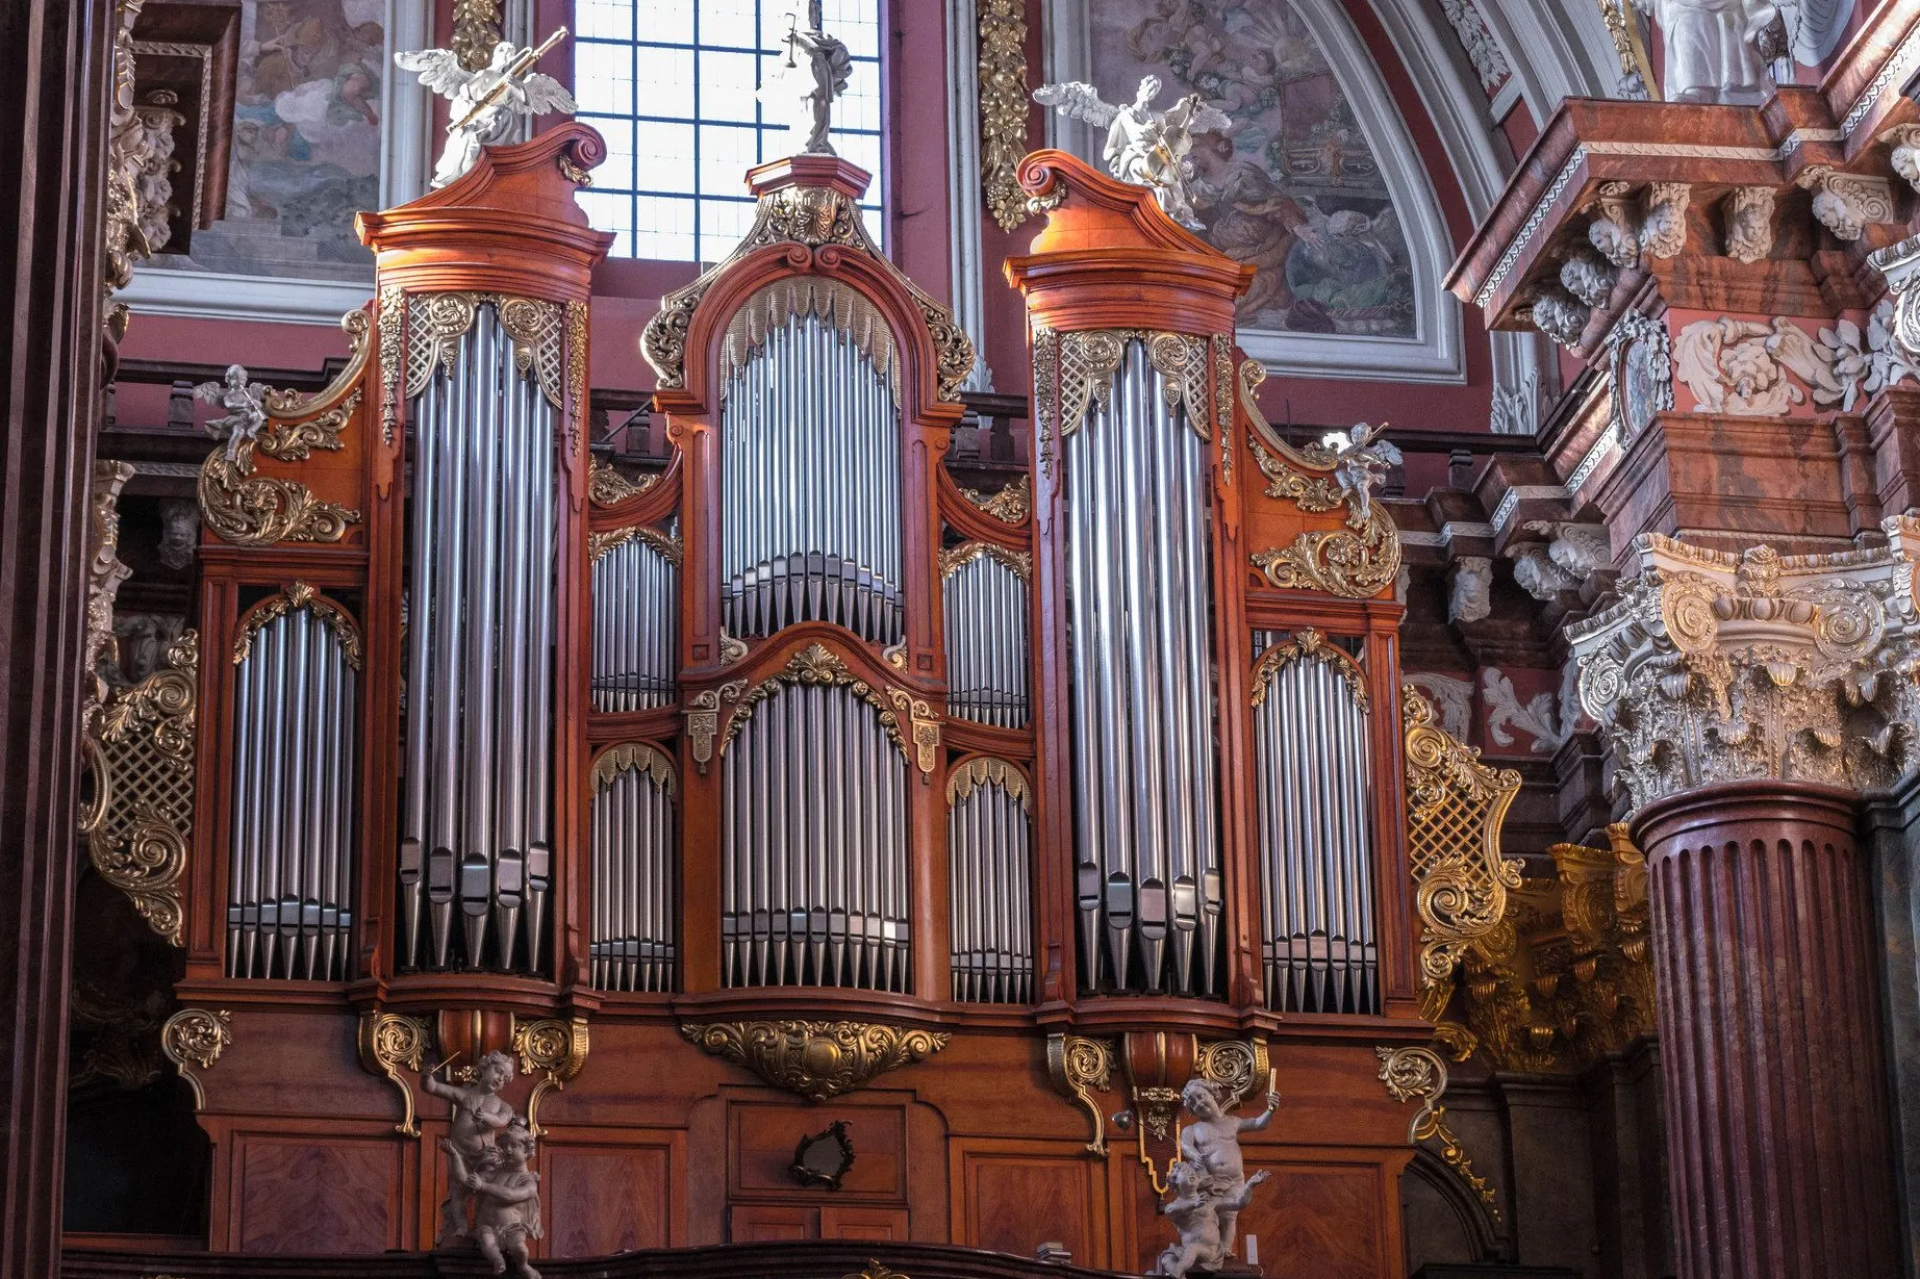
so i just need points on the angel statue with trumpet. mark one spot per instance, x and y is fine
(1145, 146)
(486, 102)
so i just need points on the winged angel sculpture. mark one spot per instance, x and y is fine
(485, 102)
(1149, 147)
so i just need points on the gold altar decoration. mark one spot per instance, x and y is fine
(195, 1037)
(816, 1059)
(139, 825)
(1566, 976)
(1421, 1074)
(1455, 808)
(389, 1043)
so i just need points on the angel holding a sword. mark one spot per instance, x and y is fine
(486, 102)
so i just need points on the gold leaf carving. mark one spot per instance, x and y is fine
(195, 1037)
(1455, 808)
(390, 1042)
(816, 1059)
(554, 1049)
(638, 756)
(1420, 1074)
(1239, 1066)
(598, 544)
(1356, 562)
(1003, 108)
(1010, 505)
(476, 29)
(1309, 644)
(298, 596)
(1019, 563)
(818, 665)
(141, 822)
(985, 770)
(608, 487)
(1078, 1067)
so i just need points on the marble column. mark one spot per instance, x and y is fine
(1750, 703)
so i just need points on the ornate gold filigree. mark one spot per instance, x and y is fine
(393, 333)
(732, 649)
(195, 1037)
(1566, 977)
(576, 406)
(249, 511)
(105, 572)
(1356, 562)
(1237, 1065)
(814, 217)
(1223, 386)
(1455, 808)
(1073, 373)
(1019, 563)
(476, 29)
(1078, 1067)
(1314, 494)
(1046, 394)
(556, 1050)
(1308, 643)
(838, 305)
(638, 756)
(538, 331)
(816, 664)
(389, 1042)
(1011, 505)
(985, 770)
(1420, 1073)
(298, 596)
(608, 487)
(141, 822)
(816, 1059)
(598, 544)
(1003, 108)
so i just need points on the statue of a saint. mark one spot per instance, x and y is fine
(486, 102)
(1716, 50)
(814, 74)
(1145, 146)
(1209, 1183)
(479, 1112)
(506, 1201)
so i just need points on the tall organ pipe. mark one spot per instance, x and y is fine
(1142, 701)
(992, 939)
(1313, 773)
(480, 590)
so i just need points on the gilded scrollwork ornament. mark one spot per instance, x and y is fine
(985, 770)
(1019, 563)
(1237, 1066)
(556, 1051)
(1455, 809)
(1420, 1074)
(300, 595)
(390, 1043)
(1079, 1067)
(1011, 505)
(1356, 562)
(910, 722)
(1003, 108)
(608, 487)
(140, 824)
(193, 1039)
(105, 573)
(816, 1059)
(1309, 644)
(669, 547)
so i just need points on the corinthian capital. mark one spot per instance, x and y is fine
(1715, 667)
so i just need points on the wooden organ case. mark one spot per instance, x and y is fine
(796, 782)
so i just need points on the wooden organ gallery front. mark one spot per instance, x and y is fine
(796, 782)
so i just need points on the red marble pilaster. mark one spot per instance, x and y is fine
(1770, 1034)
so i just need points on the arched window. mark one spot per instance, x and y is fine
(674, 87)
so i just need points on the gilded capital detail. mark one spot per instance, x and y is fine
(1714, 667)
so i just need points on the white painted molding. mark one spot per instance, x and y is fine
(259, 299)
(963, 182)
(1435, 355)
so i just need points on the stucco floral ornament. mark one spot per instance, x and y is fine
(1714, 667)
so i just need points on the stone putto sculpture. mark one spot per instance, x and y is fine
(506, 1201)
(1717, 50)
(1209, 1186)
(814, 74)
(473, 1151)
(1144, 146)
(245, 403)
(484, 103)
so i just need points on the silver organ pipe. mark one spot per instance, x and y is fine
(474, 863)
(813, 845)
(985, 603)
(988, 840)
(290, 865)
(632, 946)
(1313, 782)
(810, 515)
(1149, 887)
(636, 627)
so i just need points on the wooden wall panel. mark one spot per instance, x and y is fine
(607, 1190)
(1328, 1214)
(875, 1225)
(1012, 1196)
(315, 1192)
(771, 1223)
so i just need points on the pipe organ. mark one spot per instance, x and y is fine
(809, 730)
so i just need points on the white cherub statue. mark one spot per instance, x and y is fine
(485, 102)
(245, 403)
(1145, 146)
(804, 91)
(1361, 460)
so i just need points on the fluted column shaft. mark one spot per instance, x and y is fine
(1769, 1008)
